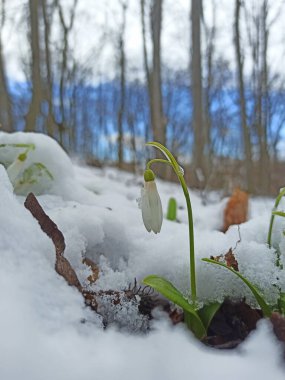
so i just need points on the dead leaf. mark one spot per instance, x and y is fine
(94, 268)
(236, 209)
(278, 322)
(231, 260)
(62, 265)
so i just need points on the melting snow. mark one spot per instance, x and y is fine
(41, 329)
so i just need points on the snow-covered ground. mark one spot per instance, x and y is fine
(41, 329)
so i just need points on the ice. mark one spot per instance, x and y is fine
(46, 330)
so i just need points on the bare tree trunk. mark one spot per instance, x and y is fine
(264, 164)
(210, 37)
(6, 118)
(66, 29)
(153, 74)
(35, 105)
(146, 66)
(122, 65)
(242, 102)
(158, 120)
(199, 147)
(51, 125)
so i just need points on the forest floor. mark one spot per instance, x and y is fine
(48, 332)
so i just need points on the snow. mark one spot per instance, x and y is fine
(41, 318)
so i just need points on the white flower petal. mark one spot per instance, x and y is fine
(14, 170)
(146, 212)
(155, 207)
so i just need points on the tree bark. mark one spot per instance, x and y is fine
(242, 101)
(122, 66)
(200, 152)
(6, 117)
(264, 163)
(158, 120)
(51, 125)
(35, 104)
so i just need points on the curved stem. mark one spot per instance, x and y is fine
(157, 160)
(277, 201)
(172, 161)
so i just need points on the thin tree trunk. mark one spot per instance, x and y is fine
(6, 117)
(66, 28)
(242, 102)
(158, 120)
(122, 65)
(51, 125)
(35, 104)
(264, 172)
(153, 75)
(199, 149)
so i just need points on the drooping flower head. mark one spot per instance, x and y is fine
(151, 204)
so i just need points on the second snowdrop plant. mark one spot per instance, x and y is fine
(197, 319)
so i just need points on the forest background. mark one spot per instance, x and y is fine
(206, 78)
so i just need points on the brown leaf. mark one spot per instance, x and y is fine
(94, 268)
(278, 322)
(63, 268)
(231, 260)
(62, 265)
(176, 316)
(236, 209)
(47, 225)
(216, 258)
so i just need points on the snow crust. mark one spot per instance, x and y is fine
(47, 332)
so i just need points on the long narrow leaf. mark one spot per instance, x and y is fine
(208, 312)
(278, 213)
(170, 292)
(263, 305)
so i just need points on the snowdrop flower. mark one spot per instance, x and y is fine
(15, 169)
(151, 203)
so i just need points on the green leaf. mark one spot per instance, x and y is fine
(28, 146)
(278, 213)
(171, 210)
(208, 312)
(36, 178)
(169, 291)
(281, 303)
(263, 305)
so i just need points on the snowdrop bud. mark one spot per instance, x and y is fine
(149, 175)
(14, 170)
(151, 204)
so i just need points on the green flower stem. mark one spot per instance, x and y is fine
(171, 160)
(157, 160)
(277, 201)
(191, 238)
